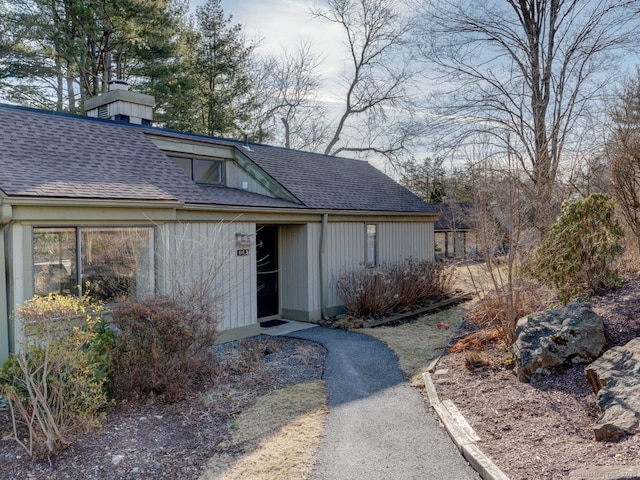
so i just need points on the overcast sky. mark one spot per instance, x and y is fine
(286, 24)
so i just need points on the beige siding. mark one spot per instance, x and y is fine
(315, 306)
(346, 247)
(300, 270)
(20, 271)
(236, 175)
(294, 267)
(345, 251)
(399, 241)
(193, 253)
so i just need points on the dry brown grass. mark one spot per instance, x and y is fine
(501, 299)
(629, 261)
(418, 342)
(481, 360)
(278, 437)
(477, 341)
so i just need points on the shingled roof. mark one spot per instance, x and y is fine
(53, 155)
(453, 217)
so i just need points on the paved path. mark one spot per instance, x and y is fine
(379, 427)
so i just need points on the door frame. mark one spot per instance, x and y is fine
(274, 312)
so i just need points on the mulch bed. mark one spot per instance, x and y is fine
(145, 439)
(543, 430)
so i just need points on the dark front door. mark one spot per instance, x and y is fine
(267, 258)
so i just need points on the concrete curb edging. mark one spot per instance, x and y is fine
(462, 434)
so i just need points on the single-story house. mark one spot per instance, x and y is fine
(452, 230)
(125, 209)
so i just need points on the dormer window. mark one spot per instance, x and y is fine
(203, 171)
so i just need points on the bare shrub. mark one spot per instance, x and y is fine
(55, 383)
(193, 263)
(382, 289)
(161, 347)
(492, 312)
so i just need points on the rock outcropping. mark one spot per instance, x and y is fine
(615, 378)
(550, 340)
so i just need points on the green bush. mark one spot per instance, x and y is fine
(577, 254)
(54, 384)
(160, 347)
(390, 286)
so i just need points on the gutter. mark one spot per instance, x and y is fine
(6, 215)
(92, 202)
(323, 267)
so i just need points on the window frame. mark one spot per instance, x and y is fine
(368, 261)
(192, 168)
(78, 289)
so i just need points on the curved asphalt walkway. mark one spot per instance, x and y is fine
(379, 427)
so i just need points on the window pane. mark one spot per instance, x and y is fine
(184, 164)
(54, 260)
(207, 172)
(371, 245)
(117, 263)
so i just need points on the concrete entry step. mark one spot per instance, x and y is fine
(279, 327)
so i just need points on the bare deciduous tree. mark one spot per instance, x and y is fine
(623, 152)
(525, 70)
(288, 88)
(376, 105)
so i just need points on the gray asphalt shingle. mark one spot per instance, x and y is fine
(46, 154)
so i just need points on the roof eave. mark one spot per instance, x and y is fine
(89, 202)
(317, 211)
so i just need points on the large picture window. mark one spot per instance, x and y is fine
(111, 264)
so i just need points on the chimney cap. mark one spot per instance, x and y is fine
(118, 85)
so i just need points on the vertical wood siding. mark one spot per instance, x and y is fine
(313, 238)
(196, 252)
(295, 257)
(399, 241)
(345, 251)
(20, 271)
(346, 247)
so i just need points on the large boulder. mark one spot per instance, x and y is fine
(615, 378)
(553, 339)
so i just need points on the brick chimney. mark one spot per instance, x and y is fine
(121, 105)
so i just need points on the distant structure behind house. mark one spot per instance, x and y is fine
(452, 230)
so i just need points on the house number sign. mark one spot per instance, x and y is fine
(243, 244)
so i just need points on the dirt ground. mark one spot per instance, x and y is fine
(147, 440)
(531, 431)
(543, 430)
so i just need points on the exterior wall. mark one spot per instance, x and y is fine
(200, 243)
(20, 272)
(199, 249)
(299, 272)
(193, 254)
(396, 241)
(236, 175)
(5, 331)
(346, 249)
(399, 241)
